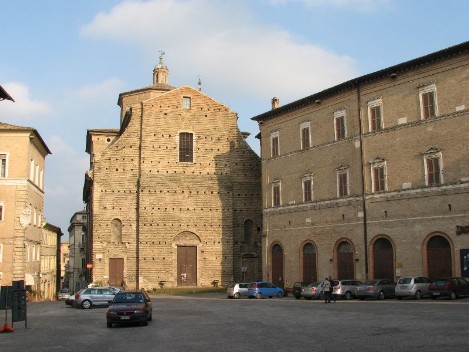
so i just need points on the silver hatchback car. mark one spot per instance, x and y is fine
(416, 287)
(94, 296)
(237, 290)
(345, 288)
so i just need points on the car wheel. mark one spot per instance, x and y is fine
(150, 318)
(109, 324)
(236, 295)
(381, 295)
(259, 295)
(418, 295)
(452, 295)
(280, 294)
(86, 304)
(348, 295)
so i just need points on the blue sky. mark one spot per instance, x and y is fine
(65, 62)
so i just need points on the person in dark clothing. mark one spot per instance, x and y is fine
(326, 287)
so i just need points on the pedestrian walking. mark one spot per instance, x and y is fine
(326, 288)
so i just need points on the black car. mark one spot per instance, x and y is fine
(129, 307)
(298, 287)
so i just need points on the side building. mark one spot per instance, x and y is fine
(22, 164)
(370, 178)
(174, 194)
(77, 275)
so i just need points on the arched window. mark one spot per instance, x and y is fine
(116, 230)
(277, 265)
(309, 263)
(345, 267)
(439, 257)
(383, 259)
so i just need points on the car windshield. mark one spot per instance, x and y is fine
(440, 282)
(129, 298)
(405, 280)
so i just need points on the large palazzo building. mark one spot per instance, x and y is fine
(370, 178)
(174, 194)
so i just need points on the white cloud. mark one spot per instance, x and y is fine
(224, 44)
(358, 5)
(24, 106)
(96, 92)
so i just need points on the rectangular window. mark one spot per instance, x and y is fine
(378, 177)
(433, 168)
(3, 165)
(428, 101)
(186, 102)
(276, 201)
(275, 145)
(186, 147)
(307, 190)
(339, 127)
(342, 184)
(375, 115)
(1, 211)
(305, 136)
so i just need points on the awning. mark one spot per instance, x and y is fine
(28, 279)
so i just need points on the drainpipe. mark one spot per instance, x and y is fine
(137, 208)
(363, 188)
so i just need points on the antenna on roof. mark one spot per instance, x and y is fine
(199, 83)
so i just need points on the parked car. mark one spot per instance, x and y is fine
(237, 290)
(298, 287)
(261, 289)
(379, 289)
(416, 287)
(345, 288)
(129, 307)
(95, 296)
(70, 301)
(452, 287)
(63, 294)
(313, 290)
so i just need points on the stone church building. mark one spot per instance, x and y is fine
(173, 194)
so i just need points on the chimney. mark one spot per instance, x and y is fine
(275, 103)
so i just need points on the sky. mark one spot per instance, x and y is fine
(65, 62)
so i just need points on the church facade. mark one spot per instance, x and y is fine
(174, 194)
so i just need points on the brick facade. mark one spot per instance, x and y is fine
(146, 205)
(397, 214)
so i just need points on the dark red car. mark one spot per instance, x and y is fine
(129, 307)
(452, 287)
